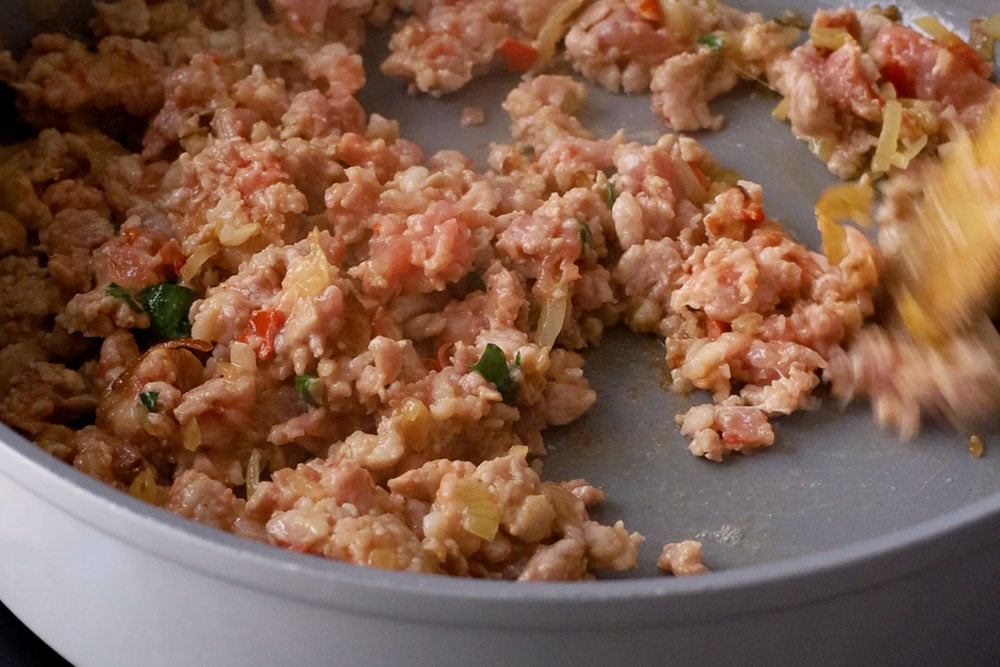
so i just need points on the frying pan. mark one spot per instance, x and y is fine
(840, 542)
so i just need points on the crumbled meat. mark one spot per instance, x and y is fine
(681, 559)
(836, 93)
(223, 280)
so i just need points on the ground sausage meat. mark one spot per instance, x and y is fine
(229, 290)
(857, 67)
(681, 559)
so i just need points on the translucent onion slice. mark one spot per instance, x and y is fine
(243, 357)
(197, 258)
(850, 201)
(892, 119)
(938, 32)
(681, 18)
(480, 514)
(780, 112)
(383, 558)
(191, 435)
(911, 149)
(551, 317)
(555, 26)
(253, 471)
(143, 486)
(983, 35)
(991, 26)
(834, 239)
(847, 201)
(829, 38)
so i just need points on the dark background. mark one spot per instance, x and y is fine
(19, 647)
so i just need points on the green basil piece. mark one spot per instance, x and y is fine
(149, 399)
(492, 365)
(167, 305)
(304, 386)
(119, 292)
(712, 40)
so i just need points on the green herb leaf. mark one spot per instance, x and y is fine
(583, 230)
(712, 40)
(168, 305)
(610, 195)
(119, 292)
(492, 365)
(304, 386)
(148, 399)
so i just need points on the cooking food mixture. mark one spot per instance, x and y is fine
(231, 291)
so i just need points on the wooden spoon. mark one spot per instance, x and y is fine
(949, 276)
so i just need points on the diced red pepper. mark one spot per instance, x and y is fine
(900, 77)
(519, 56)
(265, 323)
(753, 213)
(647, 9)
(171, 255)
(715, 328)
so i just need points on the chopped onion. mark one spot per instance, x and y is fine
(911, 149)
(518, 451)
(480, 514)
(938, 32)
(232, 224)
(382, 558)
(197, 258)
(822, 147)
(243, 357)
(307, 276)
(991, 26)
(681, 19)
(975, 446)
(553, 29)
(829, 38)
(143, 486)
(415, 421)
(780, 112)
(191, 435)
(834, 238)
(983, 35)
(551, 317)
(253, 471)
(892, 119)
(851, 201)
